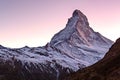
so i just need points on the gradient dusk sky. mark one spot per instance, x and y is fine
(34, 22)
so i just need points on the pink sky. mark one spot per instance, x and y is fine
(34, 22)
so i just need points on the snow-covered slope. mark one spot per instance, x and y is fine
(74, 47)
(107, 68)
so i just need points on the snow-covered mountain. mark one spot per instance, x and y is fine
(80, 41)
(74, 47)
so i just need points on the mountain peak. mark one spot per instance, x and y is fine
(77, 13)
(78, 31)
(81, 17)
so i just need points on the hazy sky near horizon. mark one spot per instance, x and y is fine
(34, 22)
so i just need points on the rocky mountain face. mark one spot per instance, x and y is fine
(106, 69)
(73, 48)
